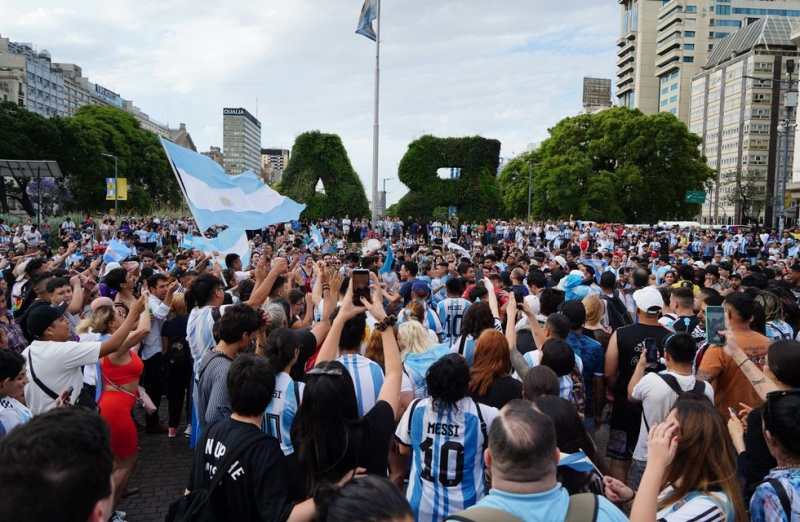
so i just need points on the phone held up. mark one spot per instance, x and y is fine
(715, 322)
(651, 345)
(360, 286)
(479, 276)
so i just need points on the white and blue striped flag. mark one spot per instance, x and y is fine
(116, 252)
(316, 238)
(369, 12)
(242, 202)
(229, 241)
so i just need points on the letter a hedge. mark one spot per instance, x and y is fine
(475, 193)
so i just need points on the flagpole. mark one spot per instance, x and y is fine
(376, 125)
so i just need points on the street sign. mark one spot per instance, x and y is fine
(695, 196)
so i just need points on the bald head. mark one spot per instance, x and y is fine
(522, 443)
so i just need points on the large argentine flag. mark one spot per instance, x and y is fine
(116, 252)
(369, 12)
(229, 241)
(242, 202)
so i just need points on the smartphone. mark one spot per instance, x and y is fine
(651, 345)
(360, 286)
(715, 321)
(733, 412)
(519, 297)
(478, 276)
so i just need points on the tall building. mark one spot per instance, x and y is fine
(738, 111)
(215, 153)
(241, 141)
(664, 43)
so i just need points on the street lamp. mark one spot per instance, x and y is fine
(530, 171)
(116, 180)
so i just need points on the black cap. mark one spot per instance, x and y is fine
(41, 317)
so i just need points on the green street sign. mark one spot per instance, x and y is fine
(695, 196)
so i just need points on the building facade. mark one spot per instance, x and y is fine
(665, 43)
(273, 163)
(596, 95)
(737, 107)
(241, 141)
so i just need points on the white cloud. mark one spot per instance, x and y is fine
(505, 70)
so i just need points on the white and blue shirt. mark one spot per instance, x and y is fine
(416, 365)
(466, 346)
(281, 410)
(565, 383)
(367, 378)
(447, 463)
(199, 332)
(451, 312)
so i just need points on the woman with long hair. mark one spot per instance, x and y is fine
(491, 382)
(594, 317)
(691, 469)
(478, 317)
(418, 354)
(416, 311)
(777, 329)
(329, 438)
(571, 437)
(118, 377)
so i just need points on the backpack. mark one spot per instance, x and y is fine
(583, 507)
(616, 310)
(699, 390)
(196, 506)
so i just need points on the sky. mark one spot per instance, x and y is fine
(504, 70)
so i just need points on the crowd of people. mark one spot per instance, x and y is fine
(404, 371)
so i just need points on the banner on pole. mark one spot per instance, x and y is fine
(118, 190)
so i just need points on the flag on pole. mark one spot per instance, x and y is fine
(387, 264)
(577, 461)
(242, 202)
(116, 252)
(369, 12)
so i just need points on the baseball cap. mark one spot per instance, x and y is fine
(561, 261)
(700, 265)
(421, 288)
(109, 267)
(649, 300)
(41, 317)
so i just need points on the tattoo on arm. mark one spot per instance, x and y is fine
(705, 376)
(758, 382)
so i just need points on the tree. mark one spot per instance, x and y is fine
(617, 165)
(24, 136)
(317, 156)
(749, 193)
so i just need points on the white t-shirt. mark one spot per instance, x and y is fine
(657, 400)
(58, 366)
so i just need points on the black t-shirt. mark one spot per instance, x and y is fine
(502, 390)
(376, 431)
(756, 462)
(630, 343)
(256, 487)
(690, 324)
(308, 347)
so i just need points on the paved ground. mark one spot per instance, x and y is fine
(161, 474)
(164, 468)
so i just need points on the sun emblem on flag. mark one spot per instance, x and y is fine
(110, 186)
(225, 201)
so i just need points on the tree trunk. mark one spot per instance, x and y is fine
(3, 196)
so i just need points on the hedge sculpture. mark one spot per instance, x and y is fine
(318, 156)
(475, 193)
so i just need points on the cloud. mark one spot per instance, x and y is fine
(505, 70)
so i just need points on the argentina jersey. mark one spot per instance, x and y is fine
(447, 461)
(281, 410)
(199, 332)
(451, 312)
(565, 383)
(367, 379)
(465, 345)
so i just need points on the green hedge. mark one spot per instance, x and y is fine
(318, 156)
(475, 193)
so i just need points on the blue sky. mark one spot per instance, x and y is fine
(505, 70)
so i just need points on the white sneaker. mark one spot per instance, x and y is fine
(188, 432)
(121, 514)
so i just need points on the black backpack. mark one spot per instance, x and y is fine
(618, 315)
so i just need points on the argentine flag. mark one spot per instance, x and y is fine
(116, 252)
(369, 12)
(229, 241)
(242, 202)
(316, 238)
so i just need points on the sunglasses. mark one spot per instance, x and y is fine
(326, 371)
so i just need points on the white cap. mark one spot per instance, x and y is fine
(109, 267)
(649, 300)
(561, 261)
(700, 265)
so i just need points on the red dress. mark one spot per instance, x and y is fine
(116, 406)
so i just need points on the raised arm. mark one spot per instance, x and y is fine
(261, 292)
(760, 382)
(346, 312)
(517, 360)
(491, 297)
(114, 343)
(390, 391)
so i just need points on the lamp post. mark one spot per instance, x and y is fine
(530, 172)
(116, 180)
(383, 209)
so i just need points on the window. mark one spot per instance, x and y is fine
(663, 103)
(665, 90)
(729, 23)
(673, 87)
(673, 99)
(688, 59)
(723, 10)
(688, 47)
(721, 35)
(691, 9)
(674, 75)
(689, 34)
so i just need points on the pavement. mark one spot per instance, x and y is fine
(161, 474)
(164, 465)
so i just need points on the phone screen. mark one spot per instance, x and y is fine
(478, 276)
(715, 321)
(519, 297)
(651, 345)
(360, 286)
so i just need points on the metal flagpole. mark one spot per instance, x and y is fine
(376, 125)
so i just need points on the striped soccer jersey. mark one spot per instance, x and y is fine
(447, 462)
(565, 383)
(451, 312)
(465, 346)
(281, 410)
(367, 378)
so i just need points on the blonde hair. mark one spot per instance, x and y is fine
(99, 320)
(179, 305)
(415, 338)
(594, 309)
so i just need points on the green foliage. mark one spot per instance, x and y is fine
(749, 193)
(76, 143)
(475, 193)
(617, 165)
(318, 156)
